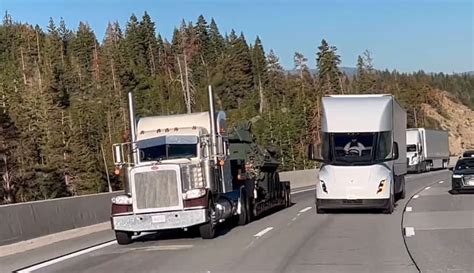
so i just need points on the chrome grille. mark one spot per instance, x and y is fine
(157, 189)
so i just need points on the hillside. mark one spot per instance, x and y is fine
(453, 116)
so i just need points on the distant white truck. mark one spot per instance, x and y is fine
(362, 150)
(427, 149)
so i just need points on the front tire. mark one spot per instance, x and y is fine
(208, 230)
(391, 202)
(319, 210)
(123, 237)
(402, 193)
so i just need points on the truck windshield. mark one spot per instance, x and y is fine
(411, 148)
(168, 151)
(168, 147)
(356, 148)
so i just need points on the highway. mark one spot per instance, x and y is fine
(440, 238)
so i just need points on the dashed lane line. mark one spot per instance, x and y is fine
(305, 209)
(409, 209)
(305, 190)
(409, 231)
(261, 233)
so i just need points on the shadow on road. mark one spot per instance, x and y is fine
(461, 192)
(355, 211)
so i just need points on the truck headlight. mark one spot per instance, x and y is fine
(122, 200)
(381, 185)
(457, 175)
(194, 193)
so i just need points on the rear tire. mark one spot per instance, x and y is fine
(244, 217)
(208, 230)
(123, 237)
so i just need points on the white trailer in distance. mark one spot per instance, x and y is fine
(427, 149)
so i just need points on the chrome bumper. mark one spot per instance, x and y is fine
(159, 221)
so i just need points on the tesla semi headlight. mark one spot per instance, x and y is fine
(381, 185)
(323, 186)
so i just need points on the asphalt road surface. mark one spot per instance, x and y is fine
(297, 239)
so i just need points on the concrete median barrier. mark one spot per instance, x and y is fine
(299, 179)
(24, 221)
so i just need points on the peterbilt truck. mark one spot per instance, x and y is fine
(187, 171)
(427, 149)
(362, 151)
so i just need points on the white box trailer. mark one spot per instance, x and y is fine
(427, 149)
(363, 150)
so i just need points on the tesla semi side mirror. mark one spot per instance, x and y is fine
(314, 152)
(395, 154)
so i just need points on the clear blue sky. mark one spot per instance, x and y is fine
(407, 35)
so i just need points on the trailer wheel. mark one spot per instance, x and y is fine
(208, 230)
(123, 237)
(244, 217)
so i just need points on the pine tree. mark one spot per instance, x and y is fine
(276, 79)
(259, 69)
(365, 81)
(238, 78)
(329, 75)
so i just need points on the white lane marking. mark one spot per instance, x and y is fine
(409, 231)
(409, 209)
(441, 182)
(306, 209)
(261, 233)
(66, 257)
(162, 247)
(427, 188)
(294, 219)
(416, 196)
(298, 214)
(311, 189)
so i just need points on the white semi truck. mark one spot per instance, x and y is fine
(427, 149)
(363, 153)
(187, 170)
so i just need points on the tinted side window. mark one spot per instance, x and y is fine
(384, 146)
